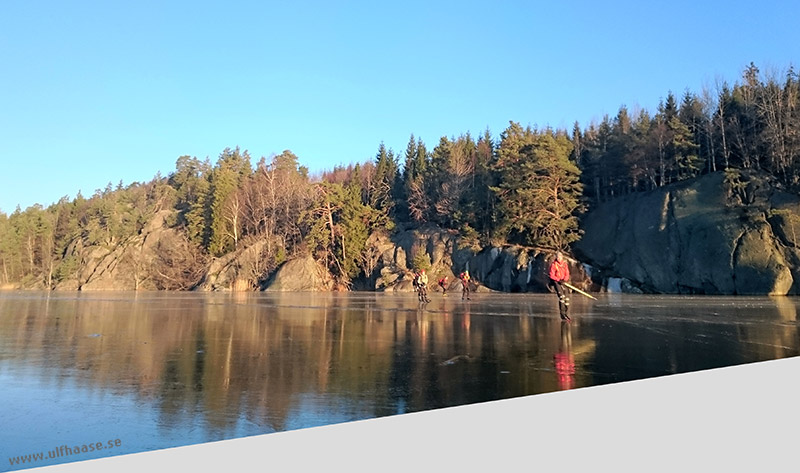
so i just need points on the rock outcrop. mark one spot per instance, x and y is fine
(301, 274)
(236, 271)
(132, 264)
(723, 233)
(395, 257)
(508, 268)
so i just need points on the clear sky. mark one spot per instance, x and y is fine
(93, 92)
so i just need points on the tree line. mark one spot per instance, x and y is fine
(751, 124)
(528, 186)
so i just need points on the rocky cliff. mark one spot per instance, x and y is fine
(158, 257)
(507, 268)
(300, 274)
(724, 233)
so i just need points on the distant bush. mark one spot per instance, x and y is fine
(420, 260)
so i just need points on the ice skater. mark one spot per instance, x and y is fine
(559, 274)
(443, 284)
(464, 277)
(421, 284)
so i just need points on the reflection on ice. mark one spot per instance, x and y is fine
(564, 359)
(786, 308)
(165, 369)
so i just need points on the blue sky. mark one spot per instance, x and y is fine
(98, 92)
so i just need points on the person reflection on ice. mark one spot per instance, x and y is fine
(564, 361)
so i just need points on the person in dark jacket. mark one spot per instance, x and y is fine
(559, 274)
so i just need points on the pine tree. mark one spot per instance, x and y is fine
(641, 160)
(225, 204)
(481, 198)
(539, 191)
(384, 184)
(683, 150)
(198, 213)
(696, 154)
(414, 172)
(339, 225)
(620, 144)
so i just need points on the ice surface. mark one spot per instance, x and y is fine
(158, 370)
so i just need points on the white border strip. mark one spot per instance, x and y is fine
(739, 418)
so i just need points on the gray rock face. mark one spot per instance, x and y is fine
(302, 274)
(236, 271)
(705, 236)
(502, 269)
(509, 268)
(518, 269)
(394, 268)
(125, 266)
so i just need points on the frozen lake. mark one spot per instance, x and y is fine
(159, 370)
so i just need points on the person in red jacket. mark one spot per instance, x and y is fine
(559, 273)
(443, 285)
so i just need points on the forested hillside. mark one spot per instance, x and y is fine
(528, 186)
